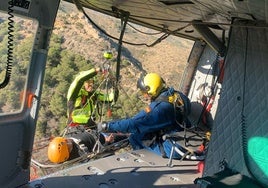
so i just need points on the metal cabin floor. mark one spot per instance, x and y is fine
(137, 169)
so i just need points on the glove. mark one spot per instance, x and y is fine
(102, 126)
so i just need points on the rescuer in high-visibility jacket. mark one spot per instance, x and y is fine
(82, 98)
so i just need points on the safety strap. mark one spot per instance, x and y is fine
(178, 104)
(81, 146)
(161, 147)
(174, 99)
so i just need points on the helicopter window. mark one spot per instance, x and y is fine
(16, 40)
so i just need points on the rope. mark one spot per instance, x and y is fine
(213, 88)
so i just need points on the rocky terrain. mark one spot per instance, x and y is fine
(167, 57)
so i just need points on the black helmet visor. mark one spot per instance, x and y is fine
(141, 85)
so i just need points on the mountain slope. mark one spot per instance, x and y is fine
(167, 57)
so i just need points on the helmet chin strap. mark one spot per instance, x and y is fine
(161, 91)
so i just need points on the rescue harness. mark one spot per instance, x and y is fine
(182, 108)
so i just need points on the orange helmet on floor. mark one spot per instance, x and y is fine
(58, 151)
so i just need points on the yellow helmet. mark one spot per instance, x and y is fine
(58, 150)
(151, 83)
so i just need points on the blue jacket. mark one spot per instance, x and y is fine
(159, 115)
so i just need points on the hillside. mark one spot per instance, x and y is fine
(167, 57)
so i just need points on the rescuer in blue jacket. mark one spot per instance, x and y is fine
(158, 118)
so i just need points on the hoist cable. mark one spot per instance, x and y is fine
(164, 36)
(124, 20)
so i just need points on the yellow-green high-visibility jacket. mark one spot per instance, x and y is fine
(83, 102)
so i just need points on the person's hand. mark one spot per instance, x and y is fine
(110, 138)
(102, 126)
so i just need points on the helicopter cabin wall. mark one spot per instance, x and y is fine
(17, 128)
(204, 88)
(239, 138)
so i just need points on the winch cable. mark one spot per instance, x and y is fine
(116, 11)
(124, 19)
(9, 46)
(107, 80)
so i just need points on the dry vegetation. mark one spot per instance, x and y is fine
(167, 58)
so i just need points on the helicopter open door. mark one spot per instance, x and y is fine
(239, 135)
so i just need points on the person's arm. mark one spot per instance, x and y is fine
(78, 82)
(141, 122)
(159, 116)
